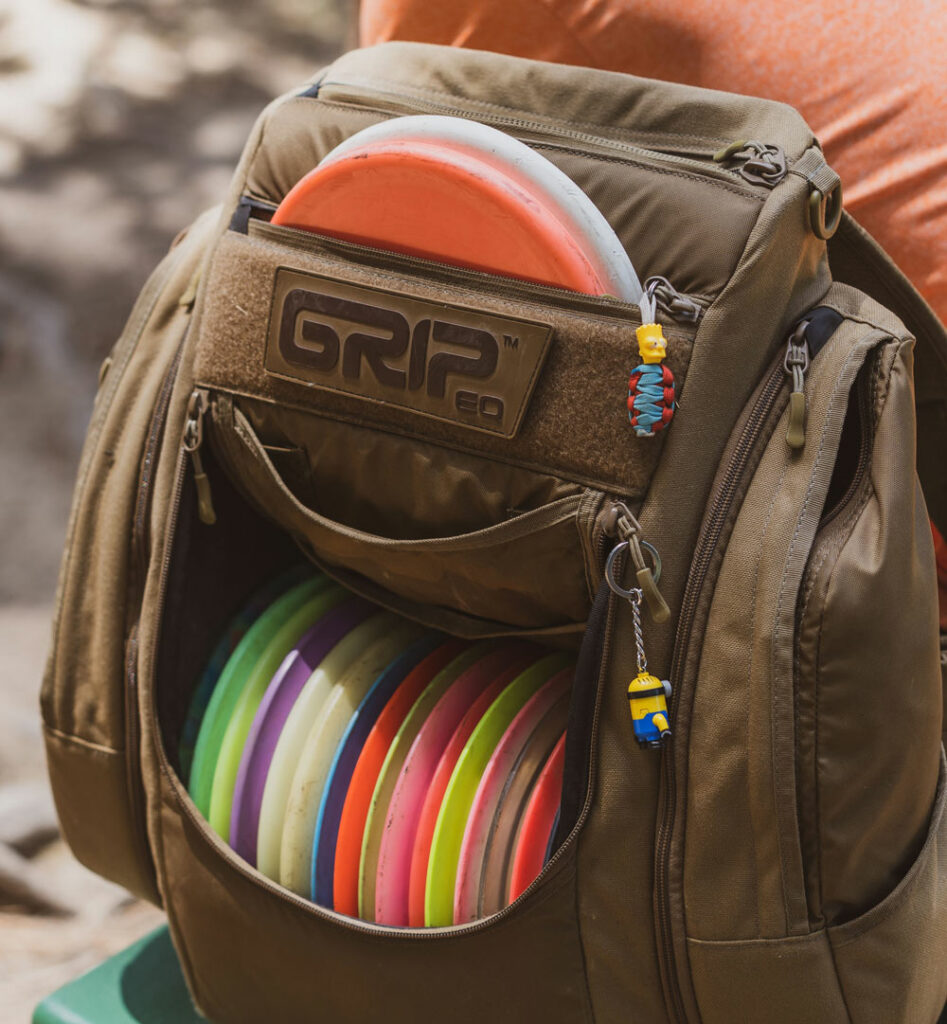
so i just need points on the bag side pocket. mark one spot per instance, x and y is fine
(868, 683)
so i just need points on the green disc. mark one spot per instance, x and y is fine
(460, 792)
(231, 682)
(248, 701)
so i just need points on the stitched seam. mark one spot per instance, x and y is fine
(838, 977)
(545, 305)
(589, 1008)
(815, 711)
(845, 529)
(631, 162)
(104, 397)
(180, 946)
(857, 319)
(749, 676)
(420, 94)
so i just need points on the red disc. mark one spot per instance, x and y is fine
(435, 794)
(348, 848)
(442, 203)
(940, 550)
(537, 824)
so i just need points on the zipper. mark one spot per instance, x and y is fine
(242, 868)
(796, 363)
(824, 538)
(620, 524)
(191, 443)
(527, 129)
(683, 309)
(138, 570)
(139, 539)
(805, 342)
(704, 551)
(760, 163)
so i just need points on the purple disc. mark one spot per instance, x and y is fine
(278, 701)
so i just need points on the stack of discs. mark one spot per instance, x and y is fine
(382, 769)
(461, 192)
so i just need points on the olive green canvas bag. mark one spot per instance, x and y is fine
(783, 859)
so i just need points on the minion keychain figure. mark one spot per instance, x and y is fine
(651, 401)
(647, 695)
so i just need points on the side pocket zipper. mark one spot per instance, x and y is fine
(137, 573)
(811, 332)
(825, 538)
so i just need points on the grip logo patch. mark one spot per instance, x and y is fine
(450, 362)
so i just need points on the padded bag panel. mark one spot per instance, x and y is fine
(89, 703)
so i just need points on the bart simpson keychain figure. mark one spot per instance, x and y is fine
(651, 390)
(647, 695)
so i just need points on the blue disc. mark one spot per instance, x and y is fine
(343, 765)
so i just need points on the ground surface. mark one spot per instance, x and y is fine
(119, 121)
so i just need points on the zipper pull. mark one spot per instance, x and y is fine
(621, 524)
(796, 363)
(193, 439)
(677, 305)
(647, 695)
(760, 163)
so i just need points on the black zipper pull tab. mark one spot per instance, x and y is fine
(760, 163)
(621, 524)
(796, 363)
(193, 439)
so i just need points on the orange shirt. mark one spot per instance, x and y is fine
(869, 76)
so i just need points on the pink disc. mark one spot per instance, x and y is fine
(407, 800)
(508, 750)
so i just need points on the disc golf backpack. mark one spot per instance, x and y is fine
(782, 858)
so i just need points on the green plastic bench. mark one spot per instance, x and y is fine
(141, 985)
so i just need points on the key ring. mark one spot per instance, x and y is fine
(635, 593)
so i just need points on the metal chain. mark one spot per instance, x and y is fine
(639, 636)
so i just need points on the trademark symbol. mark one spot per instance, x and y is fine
(509, 341)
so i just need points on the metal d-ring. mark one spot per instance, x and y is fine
(825, 211)
(617, 588)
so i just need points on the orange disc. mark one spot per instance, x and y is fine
(348, 848)
(442, 203)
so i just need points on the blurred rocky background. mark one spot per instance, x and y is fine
(120, 120)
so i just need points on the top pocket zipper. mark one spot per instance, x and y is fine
(708, 163)
(251, 217)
